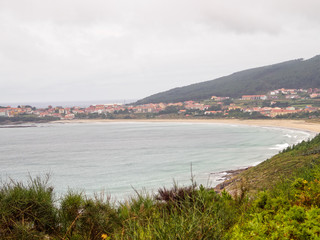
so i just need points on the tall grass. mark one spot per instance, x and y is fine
(30, 211)
(27, 210)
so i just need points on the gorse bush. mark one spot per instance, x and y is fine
(184, 213)
(71, 209)
(30, 212)
(27, 210)
(288, 211)
(83, 218)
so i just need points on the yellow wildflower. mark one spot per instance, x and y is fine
(104, 236)
(305, 181)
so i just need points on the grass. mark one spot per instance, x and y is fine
(281, 166)
(290, 210)
(31, 212)
(27, 211)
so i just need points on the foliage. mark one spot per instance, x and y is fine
(188, 213)
(27, 211)
(214, 108)
(300, 115)
(281, 166)
(290, 211)
(245, 115)
(281, 104)
(27, 118)
(170, 109)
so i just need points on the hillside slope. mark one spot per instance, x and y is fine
(281, 166)
(291, 74)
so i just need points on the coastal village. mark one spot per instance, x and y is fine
(273, 104)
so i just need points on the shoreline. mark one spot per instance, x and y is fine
(302, 125)
(312, 127)
(229, 178)
(231, 174)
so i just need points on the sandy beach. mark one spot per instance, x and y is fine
(281, 123)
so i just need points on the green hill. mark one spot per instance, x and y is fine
(291, 74)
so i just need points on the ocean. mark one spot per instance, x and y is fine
(119, 158)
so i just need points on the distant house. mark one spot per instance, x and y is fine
(215, 98)
(197, 106)
(309, 108)
(313, 90)
(187, 102)
(212, 112)
(274, 92)
(287, 91)
(69, 116)
(254, 97)
(180, 104)
(314, 95)
(293, 96)
(78, 111)
(56, 115)
(3, 112)
(44, 114)
(234, 107)
(276, 112)
(90, 109)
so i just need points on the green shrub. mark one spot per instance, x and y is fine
(27, 208)
(71, 208)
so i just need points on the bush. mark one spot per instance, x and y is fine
(87, 218)
(27, 210)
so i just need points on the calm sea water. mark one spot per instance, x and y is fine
(119, 157)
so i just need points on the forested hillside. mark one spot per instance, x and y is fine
(291, 74)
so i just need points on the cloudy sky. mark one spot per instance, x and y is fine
(68, 50)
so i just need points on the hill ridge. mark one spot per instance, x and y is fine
(298, 73)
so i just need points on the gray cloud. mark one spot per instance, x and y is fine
(108, 49)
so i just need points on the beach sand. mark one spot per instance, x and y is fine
(304, 125)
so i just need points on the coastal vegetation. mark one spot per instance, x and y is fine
(277, 199)
(26, 118)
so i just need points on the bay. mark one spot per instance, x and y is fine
(120, 157)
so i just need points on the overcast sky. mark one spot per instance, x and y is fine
(68, 50)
